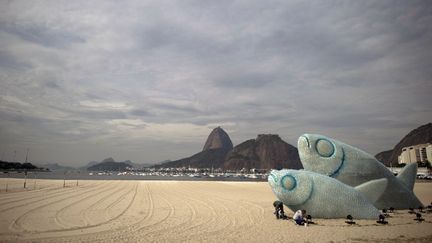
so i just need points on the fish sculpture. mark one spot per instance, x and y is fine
(324, 197)
(353, 167)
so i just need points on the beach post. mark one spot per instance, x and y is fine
(77, 178)
(7, 180)
(64, 179)
(34, 179)
(25, 178)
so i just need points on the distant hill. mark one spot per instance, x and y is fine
(57, 167)
(420, 135)
(384, 156)
(89, 164)
(217, 145)
(5, 165)
(267, 151)
(110, 164)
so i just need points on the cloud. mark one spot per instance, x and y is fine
(138, 78)
(43, 35)
(8, 61)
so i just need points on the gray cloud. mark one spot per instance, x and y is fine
(147, 81)
(139, 112)
(10, 62)
(43, 35)
(244, 80)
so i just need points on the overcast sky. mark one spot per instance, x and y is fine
(149, 80)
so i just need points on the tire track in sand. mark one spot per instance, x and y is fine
(60, 213)
(240, 203)
(184, 225)
(216, 213)
(102, 235)
(15, 226)
(59, 192)
(23, 195)
(165, 218)
(145, 227)
(95, 232)
(207, 221)
(85, 213)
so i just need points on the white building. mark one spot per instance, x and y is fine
(429, 153)
(416, 154)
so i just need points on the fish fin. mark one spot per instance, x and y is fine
(408, 175)
(372, 190)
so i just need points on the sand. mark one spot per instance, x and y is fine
(178, 211)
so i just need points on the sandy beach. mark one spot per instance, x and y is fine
(178, 211)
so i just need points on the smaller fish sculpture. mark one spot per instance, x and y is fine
(324, 197)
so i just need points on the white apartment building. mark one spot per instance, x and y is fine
(416, 153)
(429, 153)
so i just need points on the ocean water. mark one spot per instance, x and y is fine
(85, 175)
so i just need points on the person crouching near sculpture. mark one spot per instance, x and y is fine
(279, 210)
(299, 217)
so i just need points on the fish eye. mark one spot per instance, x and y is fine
(324, 148)
(288, 182)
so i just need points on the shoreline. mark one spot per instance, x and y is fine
(84, 175)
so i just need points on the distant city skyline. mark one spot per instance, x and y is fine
(147, 81)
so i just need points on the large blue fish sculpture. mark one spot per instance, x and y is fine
(325, 197)
(353, 167)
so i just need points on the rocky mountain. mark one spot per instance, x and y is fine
(384, 156)
(218, 139)
(217, 145)
(267, 151)
(422, 134)
(204, 159)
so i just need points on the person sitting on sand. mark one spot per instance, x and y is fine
(279, 211)
(298, 216)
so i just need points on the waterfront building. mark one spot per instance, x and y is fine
(420, 153)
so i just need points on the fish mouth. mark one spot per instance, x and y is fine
(336, 172)
(272, 179)
(303, 142)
